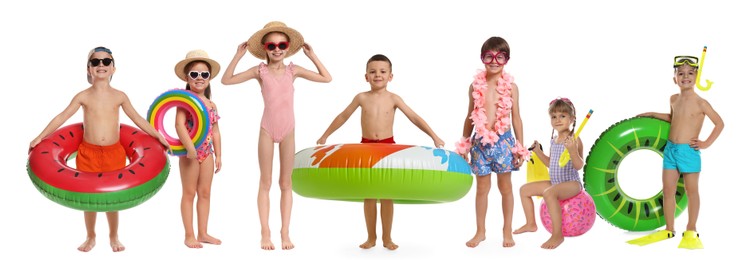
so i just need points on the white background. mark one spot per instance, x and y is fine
(614, 58)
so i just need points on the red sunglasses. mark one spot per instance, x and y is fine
(272, 45)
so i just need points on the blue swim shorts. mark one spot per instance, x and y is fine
(497, 158)
(681, 157)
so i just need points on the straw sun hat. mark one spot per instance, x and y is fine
(196, 55)
(256, 47)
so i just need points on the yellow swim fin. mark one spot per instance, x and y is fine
(690, 240)
(536, 170)
(652, 238)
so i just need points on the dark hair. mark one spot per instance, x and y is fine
(563, 105)
(187, 68)
(379, 57)
(263, 40)
(496, 43)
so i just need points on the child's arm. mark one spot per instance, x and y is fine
(217, 142)
(417, 120)
(575, 149)
(229, 77)
(517, 125)
(463, 146)
(661, 116)
(141, 122)
(180, 129)
(340, 119)
(719, 125)
(58, 120)
(468, 126)
(323, 75)
(537, 148)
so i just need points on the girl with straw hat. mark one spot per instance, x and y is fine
(274, 43)
(201, 163)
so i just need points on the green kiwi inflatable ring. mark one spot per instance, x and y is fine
(601, 173)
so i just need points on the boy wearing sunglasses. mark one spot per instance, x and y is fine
(100, 150)
(378, 108)
(681, 154)
(493, 109)
(274, 43)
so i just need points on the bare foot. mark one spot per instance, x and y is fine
(206, 238)
(266, 243)
(87, 245)
(389, 245)
(116, 246)
(286, 243)
(368, 244)
(191, 242)
(508, 240)
(553, 242)
(526, 228)
(476, 240)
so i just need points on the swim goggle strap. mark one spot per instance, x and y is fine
(689, 60)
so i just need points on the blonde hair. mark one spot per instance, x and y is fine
(562, 105)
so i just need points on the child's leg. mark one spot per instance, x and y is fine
(670, 178)
(506, 191)
(481, 209)
(387, 211)
(526, 192)
(370, 217)
(113, 229)
(204, 190)
(286, 157)
(265, 161)
(189, 169)
(691, 182)
(552, 197)
(90, 229)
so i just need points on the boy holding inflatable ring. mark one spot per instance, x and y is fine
(100, 150)
(681, 154)
(378, 108)
(493, 108)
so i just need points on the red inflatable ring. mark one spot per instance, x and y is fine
(98, 191)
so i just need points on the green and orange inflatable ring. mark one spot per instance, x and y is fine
(403, 173)
(601, 174)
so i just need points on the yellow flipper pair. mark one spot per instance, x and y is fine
(690, 239)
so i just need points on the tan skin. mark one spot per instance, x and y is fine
(378, 108)
(688, 111)
(196, 177)
(100, 103)
(275, 66)
(493, 72)
(553, 194)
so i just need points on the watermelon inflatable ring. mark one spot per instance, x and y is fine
(98, 191)
(404, 173)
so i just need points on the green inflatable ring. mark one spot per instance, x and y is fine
(406, 174)
(601, 174)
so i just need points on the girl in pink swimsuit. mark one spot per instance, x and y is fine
(198, 166)
(274, 43)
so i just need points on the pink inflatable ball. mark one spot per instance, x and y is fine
(578, 215)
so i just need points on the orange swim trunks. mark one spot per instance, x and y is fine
(96, 158)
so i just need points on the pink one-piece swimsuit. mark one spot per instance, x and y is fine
(278, 101)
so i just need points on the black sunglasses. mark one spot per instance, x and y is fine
(95, 62)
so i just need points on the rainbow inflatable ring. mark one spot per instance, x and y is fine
(98, 191)
(404, 173)
(193, 104)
